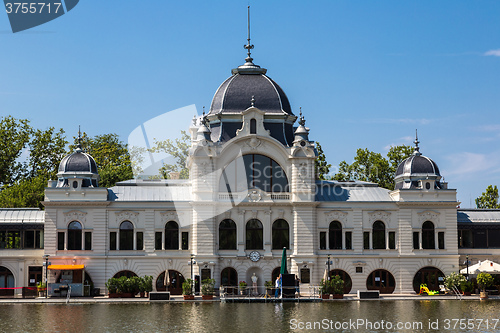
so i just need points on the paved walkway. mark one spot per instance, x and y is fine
(347, 297)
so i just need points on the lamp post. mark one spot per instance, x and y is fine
(467, 262)
(192, 279)
(328, 262)
(46, 275)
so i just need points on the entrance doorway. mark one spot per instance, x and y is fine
(381, 280)
(173, 282)
(6, 281)
(229, 278)
(431, 276)
(345, 277)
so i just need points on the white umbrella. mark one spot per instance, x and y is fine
(486, 266)
(325, 275)
(166, 280)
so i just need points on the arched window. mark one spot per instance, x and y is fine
(126, 236)
(253, 126)
(281, 234)
(428, 235)
(254, 235)
(335, 235)
(378, 235)
(253, 171)
(229, 278)
(227, 235)
(171, 236)
(74, 236)
(381, 280)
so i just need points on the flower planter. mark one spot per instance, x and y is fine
(483, 295)
(325, 296)
(114, 295)
(467, 293)
(207, 297)
(189, 297)
(338, 296)
(127, 295)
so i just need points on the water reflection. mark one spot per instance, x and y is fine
(228, 317)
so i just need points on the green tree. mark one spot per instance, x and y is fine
(489, 198)
(14, 137)
(179, 149)
(23, 179)
(111, 156)
(321, 165)
(373, 167)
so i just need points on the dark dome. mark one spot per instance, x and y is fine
(417, 165)
(78, 162)
(235, 95)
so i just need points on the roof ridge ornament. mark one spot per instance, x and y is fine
(248, 67)
(302, 120)
(79, 145)
(416, 142)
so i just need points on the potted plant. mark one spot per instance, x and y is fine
(147, 284)
(187, 289)
(269, 287)
(112, 286)
(484, 280)
(466, 288)
(337, 287)
(207, 289)
(40, 287)
(324, 289)
(243, 286)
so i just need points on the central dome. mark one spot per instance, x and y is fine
(235, 94)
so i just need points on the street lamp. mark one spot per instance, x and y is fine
(328, 262)
(192, 279)
(467, 259)
(46, 275)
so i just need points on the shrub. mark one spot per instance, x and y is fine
(337, 285)
(187, 287)
(466, 286)
(207, 286)
(112, 285)
(484, 280)
(454, 280)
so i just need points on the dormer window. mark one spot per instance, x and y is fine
(253, 126)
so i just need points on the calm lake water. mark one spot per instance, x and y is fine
(254, 317)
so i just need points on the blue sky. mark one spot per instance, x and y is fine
(366, 73)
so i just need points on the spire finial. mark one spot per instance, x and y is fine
(252, 101)
(302, 120)
(249, 46)
(79, 145)
(416, 142)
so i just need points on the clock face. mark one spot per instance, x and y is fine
(254, 256)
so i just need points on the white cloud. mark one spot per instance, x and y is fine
(466, 164)
(405, 140)
(495, 53)
(488, 128)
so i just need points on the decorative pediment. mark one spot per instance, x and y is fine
(428, 215)
(75, 215)
(249, 114)
(170, 215)
(336, 215)
(379, 215)
(127, 215)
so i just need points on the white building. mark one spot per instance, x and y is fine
(252, 191)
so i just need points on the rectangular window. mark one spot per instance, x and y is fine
(139, 239)
(493, 238)
(39, 239)
(88, 240)
(305, 275)
(348, 240)
(29, 239)
(10, 239)
(441, 240)
(322, 240)
(158, 238)
(60, 241)
(392, 240)
(416, 240)
(185, 240)
(465, 238)
(366, 240)
(480, 239)
(359, 269)
(112, 240)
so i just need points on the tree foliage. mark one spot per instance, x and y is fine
(373, 167)
(111, 156)
(28, 159)
(321, 165)
(489, 198)
(179, 149)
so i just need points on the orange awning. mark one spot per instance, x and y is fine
(66, 267)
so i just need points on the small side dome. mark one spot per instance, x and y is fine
(416, 170)
(78, 165)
